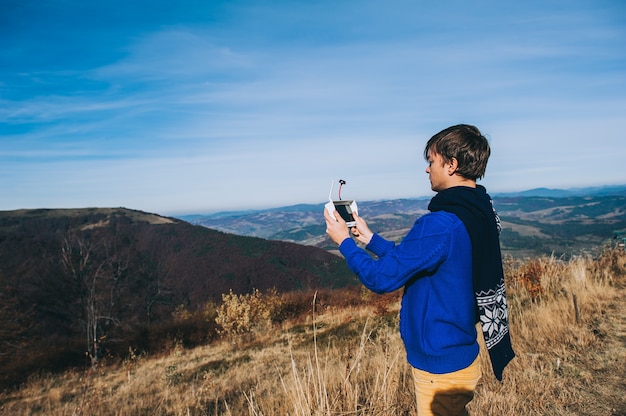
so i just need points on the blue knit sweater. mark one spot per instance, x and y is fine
(434, 264)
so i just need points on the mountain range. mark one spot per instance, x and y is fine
(84, 284)
(561, 222)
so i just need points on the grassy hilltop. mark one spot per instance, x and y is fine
(342, 355)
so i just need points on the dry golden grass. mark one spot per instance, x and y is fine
(568, 326)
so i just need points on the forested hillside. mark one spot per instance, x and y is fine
(80, 284)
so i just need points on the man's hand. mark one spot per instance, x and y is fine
(336, 227)
(361, 231)
(338, 231)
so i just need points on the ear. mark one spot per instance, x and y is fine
(452, 166)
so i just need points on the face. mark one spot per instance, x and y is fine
(437, 172)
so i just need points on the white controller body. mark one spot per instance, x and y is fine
(351, 207)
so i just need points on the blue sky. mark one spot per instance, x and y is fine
(201, 106)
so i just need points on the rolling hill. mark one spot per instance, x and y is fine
(535, 222)
(80, 282)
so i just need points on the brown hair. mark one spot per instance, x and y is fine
(466, 144)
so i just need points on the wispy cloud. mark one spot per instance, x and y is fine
(227, 105)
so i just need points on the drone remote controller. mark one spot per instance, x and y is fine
(345, 208)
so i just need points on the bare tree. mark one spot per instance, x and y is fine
(158, 292)
(95, 278)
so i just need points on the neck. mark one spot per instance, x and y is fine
(457, 180)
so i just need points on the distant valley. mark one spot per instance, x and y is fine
(535, 223)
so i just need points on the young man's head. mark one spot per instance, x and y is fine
(461, 145)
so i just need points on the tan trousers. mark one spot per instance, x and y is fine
(445, 394)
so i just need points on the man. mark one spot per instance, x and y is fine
(451, 269)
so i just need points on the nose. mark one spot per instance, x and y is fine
(427, 169)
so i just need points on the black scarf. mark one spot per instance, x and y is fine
(474, 207)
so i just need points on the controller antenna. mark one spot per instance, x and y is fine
(341, 183)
